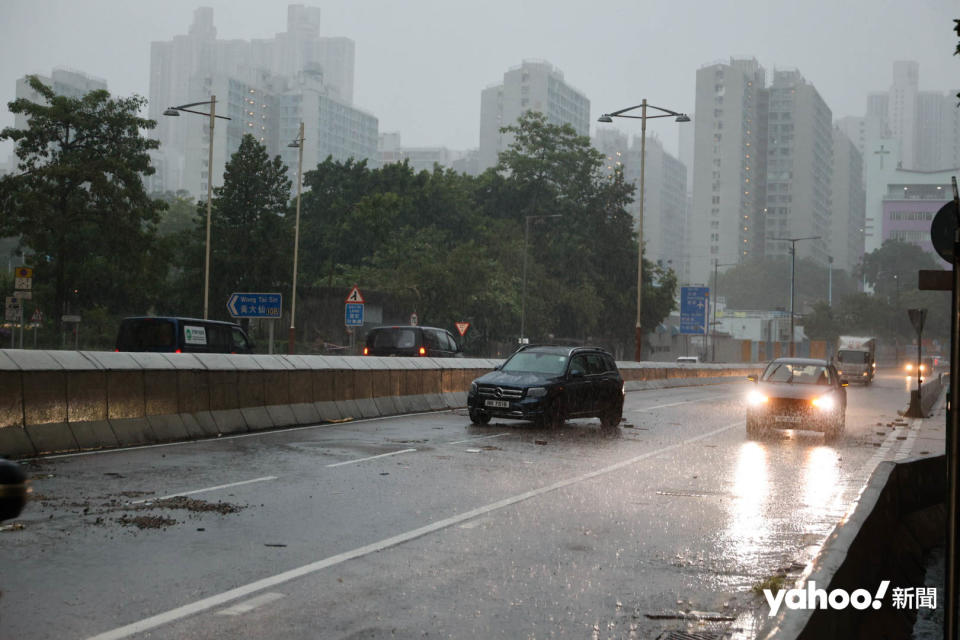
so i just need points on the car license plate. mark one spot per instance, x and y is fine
(497, 404)
(789, 419)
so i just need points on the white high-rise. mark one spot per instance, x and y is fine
(532, 86)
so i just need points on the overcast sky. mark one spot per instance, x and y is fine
(421, 64)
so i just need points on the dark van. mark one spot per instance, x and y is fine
(182, 335)
(429, 342)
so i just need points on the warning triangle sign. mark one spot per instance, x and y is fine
(355, 296)
(462, 327)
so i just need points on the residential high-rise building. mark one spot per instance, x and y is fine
(391, 150)
(532, 86)
(848, 199)
(265, 87)
(726, 222)
(63, 81)
(799, 168)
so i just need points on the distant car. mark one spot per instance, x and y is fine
(429, 342)
(798, 393)
(688, 360)
(164, 334)
(548, 385)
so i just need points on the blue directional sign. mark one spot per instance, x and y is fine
(255, 305)
(353, 314)
(694, 306)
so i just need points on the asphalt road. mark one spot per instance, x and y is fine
(426, 526)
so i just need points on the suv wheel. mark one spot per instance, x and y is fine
(610, 418)
(479, 417)
(555, 414)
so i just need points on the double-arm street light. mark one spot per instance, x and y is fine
(175, 111)
(292, 339)
(793, 263)
(643, 117)
(523, 295)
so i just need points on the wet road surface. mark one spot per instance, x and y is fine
(427, 526)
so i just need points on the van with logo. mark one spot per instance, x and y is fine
(181, 335)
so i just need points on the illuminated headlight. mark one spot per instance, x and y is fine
(864, 373)
(473, 388)
(536, 392)
(839, 373)
(923, 367)
(909, 367)
(823, 402)
(874, 365)
(756, 398)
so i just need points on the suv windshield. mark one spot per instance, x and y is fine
(532, 362)
(796, 373)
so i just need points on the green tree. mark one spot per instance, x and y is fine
(78, 202)
(251, 240)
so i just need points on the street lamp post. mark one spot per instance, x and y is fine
(292, 339)
(713, 294)
(523, 295)
(793, 264)
(175, 111)
(643, 117)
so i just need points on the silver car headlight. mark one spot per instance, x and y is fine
(536, 392)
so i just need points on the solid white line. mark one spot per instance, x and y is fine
(266, 583)
(219, 486)
(382, 455)
(675, 404)
(251, 604)
(478, 438)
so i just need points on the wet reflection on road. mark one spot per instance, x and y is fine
(748, 529)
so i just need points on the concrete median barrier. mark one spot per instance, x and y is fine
(52, 401)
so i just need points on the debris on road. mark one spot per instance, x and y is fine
(539, 442)
(146, 522)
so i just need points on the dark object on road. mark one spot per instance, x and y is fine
(798, 393)
(182, 335)
(429, 342)
(13, 489)
(548, 384)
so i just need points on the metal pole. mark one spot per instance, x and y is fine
(638, 354)
(523, 295)
(292, 339)
(952, 579)
(830, 282)
(270, 337)
(793, 264)
(713, 341)
(206, 267)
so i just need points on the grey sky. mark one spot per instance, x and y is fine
(421, 64)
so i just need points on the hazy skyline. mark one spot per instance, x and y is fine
(421, 65)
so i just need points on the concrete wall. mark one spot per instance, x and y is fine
(56, 401)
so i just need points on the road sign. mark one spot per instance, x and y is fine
(70, 318)
(694, 305)
(462, 327)
(23, 295)
(353, 314)
(13, 310)
(414, 319)
(23, 272)
(255, 305)
(355, 296)
(37, 316)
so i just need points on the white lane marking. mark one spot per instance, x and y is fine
(382, 455)
(676, 404)
(479, 438)
(267, 583)
(251, 604)
(219, 486)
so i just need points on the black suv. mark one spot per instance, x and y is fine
(548, 384)
(429, 342)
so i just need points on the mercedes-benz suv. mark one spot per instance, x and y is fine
(548, 385)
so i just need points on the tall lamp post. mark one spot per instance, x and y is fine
(793, 270)
(175, 111)
(523, 295)
(713, 294)
(292, 339)
(643, 117)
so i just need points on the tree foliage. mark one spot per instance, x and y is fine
(78, 201)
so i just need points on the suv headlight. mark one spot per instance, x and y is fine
(756, 398)
(823, 402)
(536, 392)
